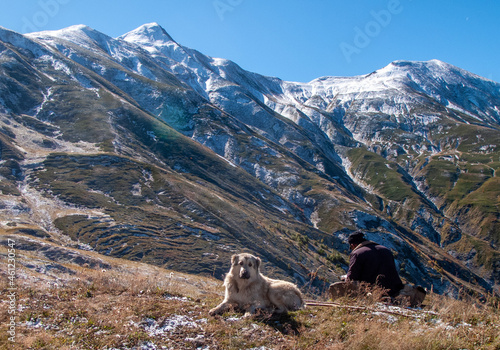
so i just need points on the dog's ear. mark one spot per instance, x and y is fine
(235, 259)
(257, 263)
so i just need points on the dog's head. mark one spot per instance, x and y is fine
(245, 266)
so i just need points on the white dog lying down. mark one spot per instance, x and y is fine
(248, 289)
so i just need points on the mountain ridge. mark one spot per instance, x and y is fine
(301, 164)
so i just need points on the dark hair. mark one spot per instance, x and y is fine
(356, 237)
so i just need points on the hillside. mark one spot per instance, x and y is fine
(140, 148)
(72, 299)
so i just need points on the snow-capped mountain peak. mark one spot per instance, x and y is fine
(73, 33)
(149, 35)
(81, 35)
(401, 82)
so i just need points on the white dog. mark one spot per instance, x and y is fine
(248, 289)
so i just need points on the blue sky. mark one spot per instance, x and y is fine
(297, 40)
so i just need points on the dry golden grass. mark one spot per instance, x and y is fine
(135, 306)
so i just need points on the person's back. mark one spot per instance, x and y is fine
(373, 263)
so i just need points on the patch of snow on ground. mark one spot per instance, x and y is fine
(164, 327)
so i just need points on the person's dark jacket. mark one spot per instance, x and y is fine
(373, 263)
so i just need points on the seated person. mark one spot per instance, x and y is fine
(371, 263)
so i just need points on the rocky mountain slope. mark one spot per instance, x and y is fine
(140, 148)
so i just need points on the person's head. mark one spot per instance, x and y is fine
(355, 238)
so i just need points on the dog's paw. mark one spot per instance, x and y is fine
(213, 312)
